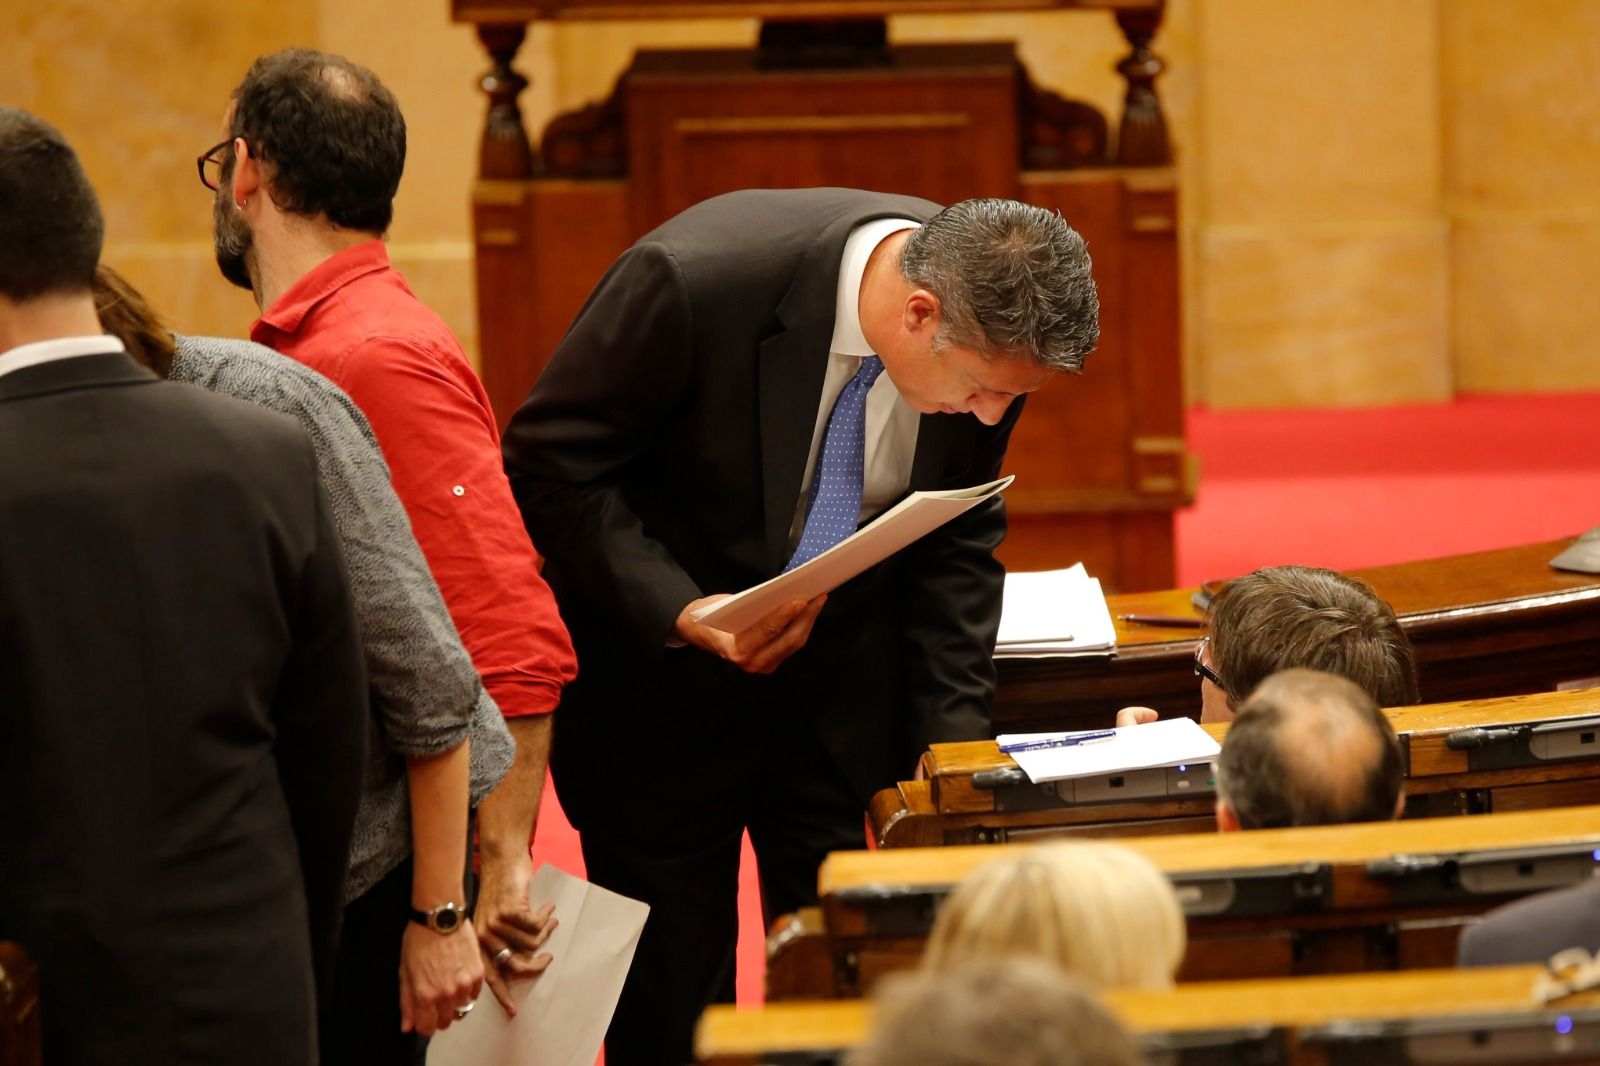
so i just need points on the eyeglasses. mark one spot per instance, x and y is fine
(209, 163)
(1200, 668)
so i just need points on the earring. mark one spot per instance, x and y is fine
(238, 205)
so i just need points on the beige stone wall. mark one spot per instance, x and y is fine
(1382, 199)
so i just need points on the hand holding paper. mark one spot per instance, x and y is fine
(764, 645)
(916, 515)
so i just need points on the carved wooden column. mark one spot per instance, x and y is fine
(19, 1008)
(505, 153)
(1142, 141)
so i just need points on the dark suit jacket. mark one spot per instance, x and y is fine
(659, 458)
(1535, 928)
(182, 714)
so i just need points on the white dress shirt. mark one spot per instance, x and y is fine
(891, 428)
(24, 355)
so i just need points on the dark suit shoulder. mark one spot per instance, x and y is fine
(753, 223)
(1533, 929)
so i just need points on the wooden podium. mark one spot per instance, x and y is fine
(1101, 461)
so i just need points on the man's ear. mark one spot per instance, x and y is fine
(246, 172)
(1400, 805)
(1227, 821)
(922, 313)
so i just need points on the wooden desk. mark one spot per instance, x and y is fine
(1267, 903)
(1494, 623)
(1506, 775)
(19, 1009)
(1313, 1021)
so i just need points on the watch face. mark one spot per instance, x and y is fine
(446, 919)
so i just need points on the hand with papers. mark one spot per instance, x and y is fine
(1136, 716)
(760, 648)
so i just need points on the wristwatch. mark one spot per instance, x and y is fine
(443, 919)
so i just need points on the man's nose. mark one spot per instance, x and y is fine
(990, 409)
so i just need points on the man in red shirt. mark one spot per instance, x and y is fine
(305, 179)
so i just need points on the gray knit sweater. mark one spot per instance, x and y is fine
(426, 697)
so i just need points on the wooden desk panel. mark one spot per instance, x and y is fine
(1260, 904)
(949, 809)
(820, 1032)
(1486, 624)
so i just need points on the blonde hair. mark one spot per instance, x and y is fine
(1097, 910)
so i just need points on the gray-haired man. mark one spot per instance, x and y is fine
(760, 364)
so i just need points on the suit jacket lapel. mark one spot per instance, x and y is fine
(933, 445)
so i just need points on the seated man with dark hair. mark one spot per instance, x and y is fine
(1284, 617)
(1015, 1011)
(1308, 748)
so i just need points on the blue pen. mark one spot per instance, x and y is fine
(1060, 742)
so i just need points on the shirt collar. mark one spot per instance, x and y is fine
(322, 281)
(848, 338)
(58, 348)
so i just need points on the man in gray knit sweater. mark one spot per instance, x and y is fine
(430, 713)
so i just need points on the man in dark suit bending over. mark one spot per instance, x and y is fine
(748, 382)
(182, 698)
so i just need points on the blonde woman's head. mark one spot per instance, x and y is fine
(1097, 910)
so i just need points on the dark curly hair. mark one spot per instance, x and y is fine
(332, 136)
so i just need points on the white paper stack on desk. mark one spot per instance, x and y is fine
(1169, 742)
(1048, 613)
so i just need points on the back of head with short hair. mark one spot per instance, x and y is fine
(1309, 748)
(1012, 280)
(51, 228)
(331, 135)
(1003, 1012)
(1284, 617)
(1098, 910)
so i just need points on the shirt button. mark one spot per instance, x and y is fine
(459, 490)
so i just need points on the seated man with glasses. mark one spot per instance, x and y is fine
(1283, 617)
(1308, 748)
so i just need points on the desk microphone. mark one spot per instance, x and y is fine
(1481, 737)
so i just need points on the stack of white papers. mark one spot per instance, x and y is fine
(1054, 612)
(1169, 742)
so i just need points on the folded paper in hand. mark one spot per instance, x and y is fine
(562, 1015)
(1054, 612)
(1169, 742)
(911, 518)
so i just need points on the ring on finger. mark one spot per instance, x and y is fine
(462, 1012)
(501, 956)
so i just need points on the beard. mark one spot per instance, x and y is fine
(233, 240)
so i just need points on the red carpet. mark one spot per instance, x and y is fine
(1345, 488)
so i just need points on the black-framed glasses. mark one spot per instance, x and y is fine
(209, 163)
(1200, 667)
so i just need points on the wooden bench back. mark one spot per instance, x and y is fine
(1331, 899)
(1536, 751)
(1445, 1017)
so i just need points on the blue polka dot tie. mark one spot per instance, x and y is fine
(841, 465)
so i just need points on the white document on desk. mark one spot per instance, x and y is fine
(562, 1015)
(1169, 742)
(1054, 613)
(918, 514)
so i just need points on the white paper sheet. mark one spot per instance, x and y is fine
(1054, 612)
(1169, 742)
(562, 1015)
(916, 515)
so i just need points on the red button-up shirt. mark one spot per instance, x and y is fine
(354, 320)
